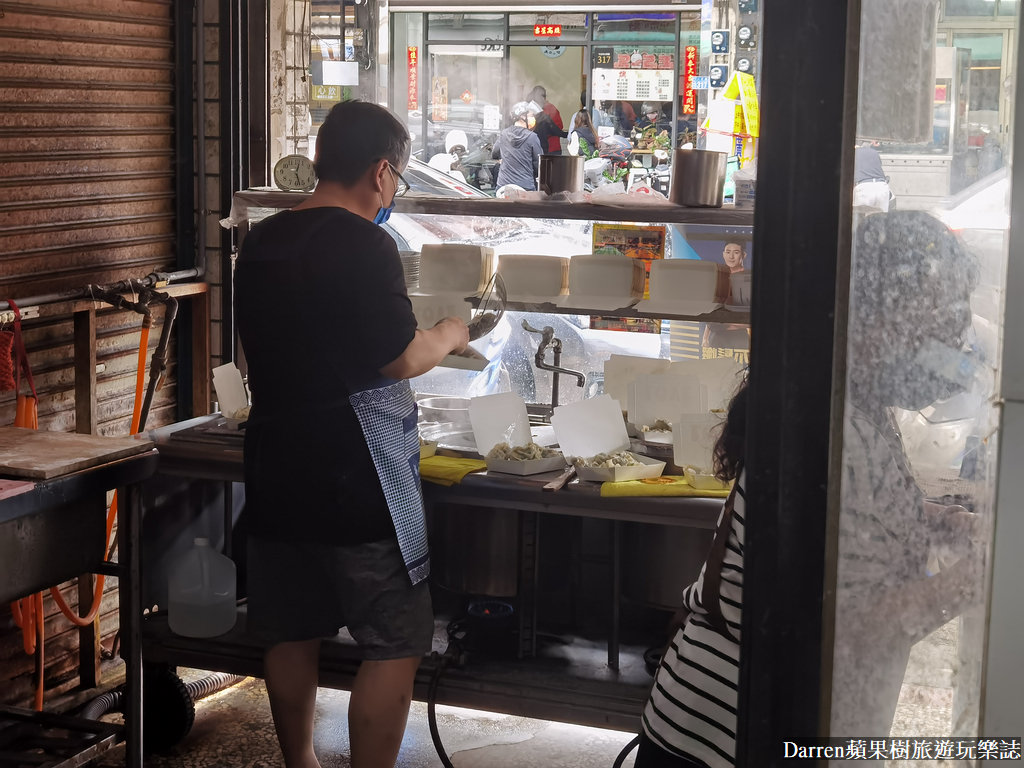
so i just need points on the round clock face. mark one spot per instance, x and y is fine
(295, 173)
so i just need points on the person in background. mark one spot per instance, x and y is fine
(910, 309)
(651, 114)
(625, 117)
(550, 128)
(334, 508)
(584, 127)
(690, 716)
(519, 149)
(871, 192)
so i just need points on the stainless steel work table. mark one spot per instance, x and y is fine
(54, 532)
(601, 692)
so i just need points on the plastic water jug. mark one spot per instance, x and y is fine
(201, 593)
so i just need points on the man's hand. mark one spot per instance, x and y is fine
(456, 331)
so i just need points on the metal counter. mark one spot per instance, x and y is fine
(585, 682)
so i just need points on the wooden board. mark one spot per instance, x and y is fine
(41, 455)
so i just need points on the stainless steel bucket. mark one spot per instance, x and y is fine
(698, 178)
(561, 173)
(659, 562)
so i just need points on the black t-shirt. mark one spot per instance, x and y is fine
(321, 306)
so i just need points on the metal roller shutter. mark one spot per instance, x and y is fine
(86, 142)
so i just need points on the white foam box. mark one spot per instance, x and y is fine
(719, 380)
(589, 427)
(606, 281)
(455, 268)
(693, 440)
(502, 418)
(686, 286)
(703, 481)
(534, 278)
(656, 396)
(620, 370)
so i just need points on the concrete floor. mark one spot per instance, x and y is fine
(234, 728)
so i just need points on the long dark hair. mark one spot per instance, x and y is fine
(730, 447)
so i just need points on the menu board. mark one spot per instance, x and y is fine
(632, 85)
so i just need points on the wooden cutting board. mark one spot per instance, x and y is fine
(41, 455)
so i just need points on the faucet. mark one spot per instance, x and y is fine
(548, 340)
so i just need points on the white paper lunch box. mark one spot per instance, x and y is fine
(686, 287)
(454, 268)
(589, 427)
(606, 281)
(502, 418)
(532, 278)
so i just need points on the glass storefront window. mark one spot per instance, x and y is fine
(635, 26)
(466, 26)
(548, 27)
(919, 446)
(1007, 7)
(407, 74)
(970, 7)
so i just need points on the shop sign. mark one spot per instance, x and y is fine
(326, 92)
(547, 30)
(414, 77)
(691, 62)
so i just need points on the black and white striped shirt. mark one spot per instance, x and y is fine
(692, 707)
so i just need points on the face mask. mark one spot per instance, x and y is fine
(383, 214)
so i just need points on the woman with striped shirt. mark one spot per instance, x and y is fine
(690, 716)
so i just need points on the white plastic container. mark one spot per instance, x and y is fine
(201, 593)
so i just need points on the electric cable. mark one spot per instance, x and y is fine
(456, 632)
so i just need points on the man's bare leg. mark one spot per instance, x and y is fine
(291, 674)
(379, 709)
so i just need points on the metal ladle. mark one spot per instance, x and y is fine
(491, 309)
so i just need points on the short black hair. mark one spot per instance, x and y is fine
(354, 136)
(538, 90)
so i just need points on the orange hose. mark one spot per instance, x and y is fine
(40, 648)
(28, 611)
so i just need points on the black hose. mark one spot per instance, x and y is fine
(113, 701)
(200, 689)
(625, 751)
(456, 634)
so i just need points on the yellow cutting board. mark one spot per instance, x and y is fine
(41, 455)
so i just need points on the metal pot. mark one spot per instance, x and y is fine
(475, 550)
(660, 561)
(561, 173)
(698, 178)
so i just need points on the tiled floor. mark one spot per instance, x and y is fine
(234, 728)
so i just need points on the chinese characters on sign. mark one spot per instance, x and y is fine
(414, 74)
(690, 64)
(547, 30)
(439, 100)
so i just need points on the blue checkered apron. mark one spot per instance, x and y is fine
(387, 416)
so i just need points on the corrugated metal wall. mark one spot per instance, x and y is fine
(87, 175)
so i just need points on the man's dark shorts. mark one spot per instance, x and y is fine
(305, 590)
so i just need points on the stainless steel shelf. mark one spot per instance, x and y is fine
(726, 216)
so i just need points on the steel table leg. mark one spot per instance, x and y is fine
(613, 637)
(130, 611)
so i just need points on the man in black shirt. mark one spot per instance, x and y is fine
(871, 191)
(333, 503)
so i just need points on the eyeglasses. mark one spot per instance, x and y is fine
(401, 185)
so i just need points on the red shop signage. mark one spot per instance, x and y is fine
(414, 77)
(690, 64)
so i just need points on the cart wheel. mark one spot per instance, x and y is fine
(168, 709)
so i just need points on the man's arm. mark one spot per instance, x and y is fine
(428, 348)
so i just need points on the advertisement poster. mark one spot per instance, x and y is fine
(644, 242)
(439, 100)
(413, 61)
